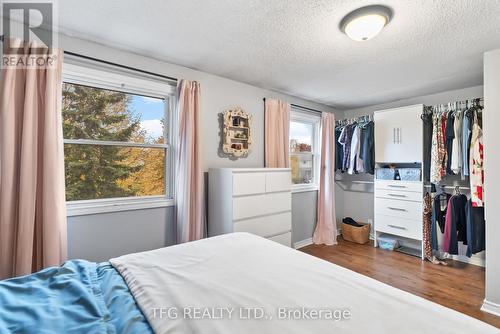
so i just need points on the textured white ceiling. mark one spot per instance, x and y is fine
(295, 46)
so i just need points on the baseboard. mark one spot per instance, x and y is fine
(472, 260)
(303, 243)
(309, 241)
(491, 307)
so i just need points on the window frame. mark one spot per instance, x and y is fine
(89, 73)
(307, 117)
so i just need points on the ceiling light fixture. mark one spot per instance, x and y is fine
(365, 23)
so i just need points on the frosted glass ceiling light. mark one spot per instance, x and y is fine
(365, 23)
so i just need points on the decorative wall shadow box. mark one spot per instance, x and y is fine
(237, 134)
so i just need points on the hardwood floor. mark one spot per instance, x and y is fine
(458, 286)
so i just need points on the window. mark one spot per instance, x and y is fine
(304, 149)
(117, 131)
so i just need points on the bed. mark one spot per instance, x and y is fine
(234, 283)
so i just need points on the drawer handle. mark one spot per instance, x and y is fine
(396, 195)
(395, 186)
(398, 227)
(396, 209)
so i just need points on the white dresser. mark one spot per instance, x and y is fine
(254, 200)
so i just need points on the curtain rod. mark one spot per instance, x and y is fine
(113, 64)
(119, 65)
(301, 107)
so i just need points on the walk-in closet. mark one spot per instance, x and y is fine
(415, 173)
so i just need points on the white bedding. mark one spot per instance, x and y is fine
(192, 288)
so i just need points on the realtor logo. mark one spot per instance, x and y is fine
(28, 32)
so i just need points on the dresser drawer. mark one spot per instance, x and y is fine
(399, 185)
(284, 239)
(249, 183)
(266, 226)
(398, 226)
(278, 181)
(398, 208)
(260, 205)
(399, 195)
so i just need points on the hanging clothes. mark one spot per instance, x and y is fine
(339, 152)
(475, 229)
(476, 165)
(460, 217)
(345, 141)
(438, 216)
(456, 156)
(438, 150)
(428, 136)
(359, 161)
(447, 229)
(455, 224)
(426, 226)
(450, 136)
(354, 150)
(466, 136)
(355, 146)
(368, 148)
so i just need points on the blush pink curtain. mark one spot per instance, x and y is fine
(326, 227)
(32, 191)
(277, 131)
(189, 194)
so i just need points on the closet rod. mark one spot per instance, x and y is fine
(352, 190)
(119, 65)
(451, 104)
(363, 118)
(447, 187)
(355, 181)
(301, 107)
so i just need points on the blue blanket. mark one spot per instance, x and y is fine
(78, 297)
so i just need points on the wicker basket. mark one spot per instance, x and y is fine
(359, 235)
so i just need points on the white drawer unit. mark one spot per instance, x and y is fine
(398, 226)
(261, 205)
(249, 183)
(267, 226)
(398, 195)
(254, 200)
(278, 182)
(398, 209)
(284, 239)
(399, 185)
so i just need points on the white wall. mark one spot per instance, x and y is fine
(430, 100)
(120, 233)
(104, 236)
(491, 133)
(218, 94)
